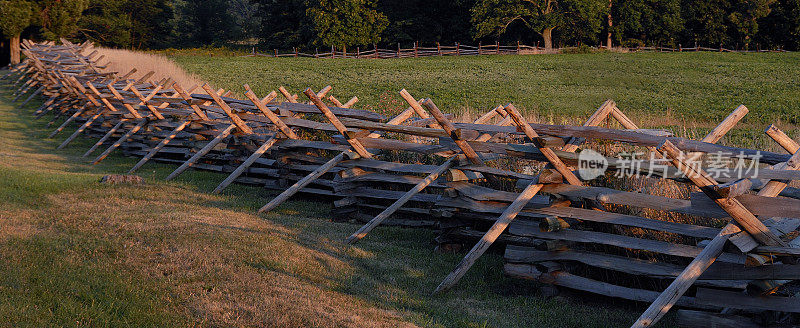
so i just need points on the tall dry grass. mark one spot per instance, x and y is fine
(122, 61)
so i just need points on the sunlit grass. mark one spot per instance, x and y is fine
(654, 88)
(123, 60)
(79, 253)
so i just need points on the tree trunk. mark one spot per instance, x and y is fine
(14, 45)
(547, 35)
(610, 25)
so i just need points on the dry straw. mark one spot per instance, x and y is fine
(123, 61)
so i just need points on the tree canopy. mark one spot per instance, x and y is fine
(344, 23)
(59, 18)
(15, 16)
(307, 24)
(493, 17)
(646, 21)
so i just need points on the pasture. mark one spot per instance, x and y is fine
(80, 253)
(77, 252)
(656, 89)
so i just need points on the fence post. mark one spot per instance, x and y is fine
(517, 47)
(295, 52)
(276, 53)
(376, 50)
(398, 50)
(416, 49)
(720, 47)
(458, 50)
(358, 52)
(333, 52)
(438, 49)
(497, 47)
(316, 52)
(479, 48)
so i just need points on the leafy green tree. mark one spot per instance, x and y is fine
(542, 16)
(640, 22)
(426, 21)
(344, 23)
(743, 18)
(724, 21)
(284, 24)
(15, 16)
(59, 18)
(151, 22)
(610, 26)
(128, 23)
(245, 16)
(781, 28)
(705, 21)
(204, 22)
(105, 22)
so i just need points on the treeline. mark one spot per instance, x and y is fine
(309, 24)
(740, 24)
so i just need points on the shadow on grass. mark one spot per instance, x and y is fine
(73, 278)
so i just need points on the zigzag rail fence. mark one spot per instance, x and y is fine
(459, 49)
(552, 226)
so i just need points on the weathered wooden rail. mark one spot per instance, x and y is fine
(458, 49)
(415, 51)
(420, 169)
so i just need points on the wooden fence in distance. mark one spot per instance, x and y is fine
(416, 51)
(466, 50)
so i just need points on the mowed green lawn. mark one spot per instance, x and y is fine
(74, 252)
(657, 89)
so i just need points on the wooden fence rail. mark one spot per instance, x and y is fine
(556, 229)
(467, 50)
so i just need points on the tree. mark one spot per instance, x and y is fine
(541, 16)
(59, 18)
(204, 22)
(15, 16)
(150, 22)
(743, 18)
(284, 24)
(640, 22)
(245, 16)
(343, 23)
(781, 28)
(724, 21)
(426, 21)
(610, 24)
(105, 22)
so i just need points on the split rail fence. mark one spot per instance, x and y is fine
(439, 50)
(464, 50)
(725, 255)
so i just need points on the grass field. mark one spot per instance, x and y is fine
(657, 89)
(74, 252)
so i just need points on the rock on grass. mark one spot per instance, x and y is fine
(119, 178)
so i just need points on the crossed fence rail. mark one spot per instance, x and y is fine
(556, 228)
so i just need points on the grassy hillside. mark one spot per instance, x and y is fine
(74, 252)
(655, 88)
